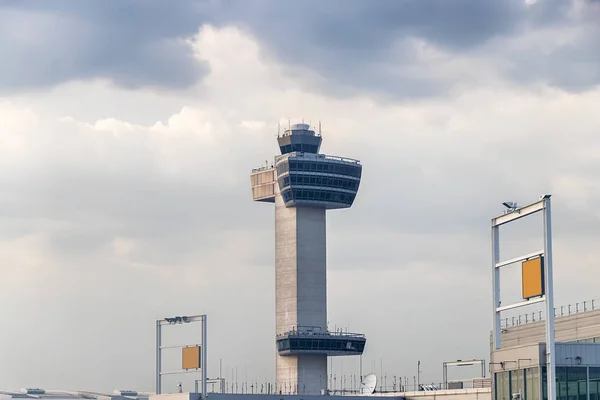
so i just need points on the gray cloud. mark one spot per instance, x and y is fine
(572, 66)
(346, 47)
(131, 43)
(356, 47)
(359, 26)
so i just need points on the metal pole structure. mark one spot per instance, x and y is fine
(201, 362)
(460, 363)
(444, 376)
(587, 382)
(547, 293)
(360, 367)
(496, 283)
(550, 355)
(204, 366)
(158, 357)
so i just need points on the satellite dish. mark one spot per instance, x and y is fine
(368, 384)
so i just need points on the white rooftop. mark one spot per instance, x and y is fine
(36, 393)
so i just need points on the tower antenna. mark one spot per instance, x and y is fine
(319, 128)
(278, 128)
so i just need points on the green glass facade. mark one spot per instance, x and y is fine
(524, 381)
(594, 389)
(571, 384)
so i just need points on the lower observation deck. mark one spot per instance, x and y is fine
(315, 341)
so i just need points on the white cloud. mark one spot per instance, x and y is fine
(252, 124)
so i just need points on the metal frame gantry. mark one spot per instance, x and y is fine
(547, 296)
(460, 363)
(159, 347)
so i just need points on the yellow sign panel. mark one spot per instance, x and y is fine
(533, 277)
(190, 357)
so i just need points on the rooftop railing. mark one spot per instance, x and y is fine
(349, 385)
(263, 168)
(538, 316)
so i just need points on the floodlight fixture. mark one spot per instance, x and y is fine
(511, 206)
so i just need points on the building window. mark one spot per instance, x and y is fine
(594, 383)
(315, 180)
(326, 167)
(287, 195)
(532, 382)
(283, 344)
(502, 386)
(517, 382)
(570, 383)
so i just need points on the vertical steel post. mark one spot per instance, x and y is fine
(550, 347)
(158, 357)
(587, 382)
(360, 367)
(444, 375)
(496, 283)
(204, 366)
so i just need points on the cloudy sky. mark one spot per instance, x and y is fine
(128, 130)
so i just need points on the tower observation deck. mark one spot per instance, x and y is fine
(304, 184)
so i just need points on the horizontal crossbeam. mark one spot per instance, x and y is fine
(521, 304)
(183, 371)
(520, 212)
(520, 258)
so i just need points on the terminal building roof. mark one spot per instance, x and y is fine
(74, 394)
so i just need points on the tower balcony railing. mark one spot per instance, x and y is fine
(263, 168)
(313, 156)
(538, 316)
(314, 340)
(344, 159)
(318, 331)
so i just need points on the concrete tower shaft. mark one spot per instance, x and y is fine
(303, 185)
(301, 258)
(301, 292)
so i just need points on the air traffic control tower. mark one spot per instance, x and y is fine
(304, 184)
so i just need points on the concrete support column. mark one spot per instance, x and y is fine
(301, 291)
